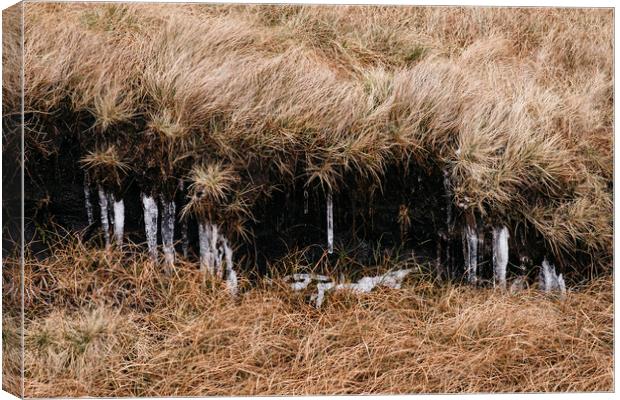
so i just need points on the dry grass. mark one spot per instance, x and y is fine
(516, 104)
(109, 324)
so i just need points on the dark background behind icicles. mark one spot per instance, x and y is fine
(365, 223)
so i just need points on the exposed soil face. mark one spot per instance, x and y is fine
(407, 216)
(290, 218)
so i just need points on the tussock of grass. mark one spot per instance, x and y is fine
(105, 165)
(109, 324)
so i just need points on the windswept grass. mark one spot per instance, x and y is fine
(515, 104)
(105, 323)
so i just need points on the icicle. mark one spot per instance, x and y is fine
(392, 279)
(211, 255)
(520, 282)
(470, 248)
(150, 224)
(301, 281)
(305, 202)
(168, 209)
(216, 255)
(184, 238)
(549, 279)
(204, 242)
(103, 205)
(219, 262)
(87, 202)
(500, 255)
(112, 215)
(547, 276)
(368, 283)
(231, 275)
(322, 287)
(119, 221)
(330, 222)
(231, 282)
(561, 284)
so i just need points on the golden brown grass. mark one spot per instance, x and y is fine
(102, 323)
(516, 104)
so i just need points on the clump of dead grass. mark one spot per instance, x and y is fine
(106, 165)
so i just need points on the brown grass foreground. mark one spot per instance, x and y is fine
(106, 324)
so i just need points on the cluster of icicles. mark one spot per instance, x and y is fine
(216, 255)
(549, 280)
